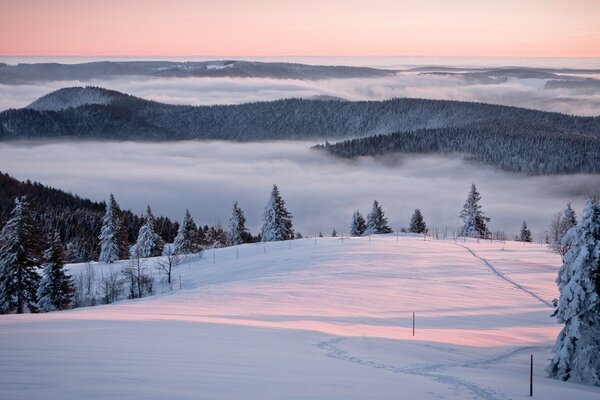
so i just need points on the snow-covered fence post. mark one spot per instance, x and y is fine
(214, 256)
(179, 281)
(315, 239)
(413, 323)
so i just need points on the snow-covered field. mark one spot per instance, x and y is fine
(331, 320)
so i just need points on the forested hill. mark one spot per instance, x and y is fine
(77, 220)
(95, 113)
(512, 147)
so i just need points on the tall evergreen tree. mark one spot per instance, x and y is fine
(278, 220)
(237, 233)
(475, 222)
(525, 235)
(56, 289)
(577, 349)
(376, 221)
(149, 243)
(187, 240)
(358, 225)
(20, 256)
(110, 233)
(417, 223)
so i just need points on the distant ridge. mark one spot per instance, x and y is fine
(515, 139)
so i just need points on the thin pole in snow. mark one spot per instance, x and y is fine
(237, 256)
(531, 377)
(214, 256)
(290, 243)
(413, 323)
(342, 238)
(179, 281)
(264, 248)
(315, 238)
(396, 235)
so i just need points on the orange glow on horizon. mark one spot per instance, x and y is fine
(533, 28)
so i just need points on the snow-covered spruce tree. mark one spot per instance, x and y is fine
(149, 243)
(333, 233)
(577, 349)
(110, 233)
(358, 225)
(237, 232)
(417, 224)
(56, 289)
(472, 216)
(187, 240)
(20, 256)
(278, 220)
(525, 234)
(376, 221)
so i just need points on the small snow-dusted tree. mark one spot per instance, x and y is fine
(237, 232)
(376, 221)
(109, 233)
(525, 234)
(577, 349)
(333, 233)
(149, 243)
(358, 225)
(166, 263)
(278, 220)
(472, 216)
(187, 240)
(20, 257)
(56, 289)
(560, 225)
(417, 223)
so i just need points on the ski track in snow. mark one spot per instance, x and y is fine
(429, 371)
(506, 278)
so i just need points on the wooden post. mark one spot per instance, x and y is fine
(237, 256)
(214, 256)
(413, 323)
(264, 248)
(179, 281)
(315, 239)
(531, 377)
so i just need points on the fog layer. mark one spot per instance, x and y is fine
(321, 192)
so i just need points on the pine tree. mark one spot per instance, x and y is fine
(20, 256)
(358, 225)
(334, 233)
(525, 235)
(417, 224)
(56, 290)
(187, 240)
(472, 216)
(278, 220)
(237, 233)
(577, 349)
(110, 233)
(376, 221)
(149, 243)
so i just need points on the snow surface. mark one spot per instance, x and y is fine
(331, 320)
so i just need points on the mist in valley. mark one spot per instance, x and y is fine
(322, 192)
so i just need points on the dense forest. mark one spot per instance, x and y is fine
(117, 116)
(77, 220)
(517, 148)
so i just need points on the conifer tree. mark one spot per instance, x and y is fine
(358, 225)
(20, 256)
(417, 224)
(149, 243)
(187, 240)
(334, 233)
(110, 233)
(577, 348)
(376, 221)
(525, 235)
(278, 220)
(56, 289)
(237, 232)
(472, 216)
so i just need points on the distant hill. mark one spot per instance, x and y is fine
(570, 143)
(47, 72)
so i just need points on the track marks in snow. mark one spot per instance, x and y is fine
(430, 371)
(506, 278)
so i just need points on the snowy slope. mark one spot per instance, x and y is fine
(331, 320)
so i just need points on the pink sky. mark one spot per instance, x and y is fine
(296, 28)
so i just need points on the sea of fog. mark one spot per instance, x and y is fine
(321, 191)
(528, 93)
